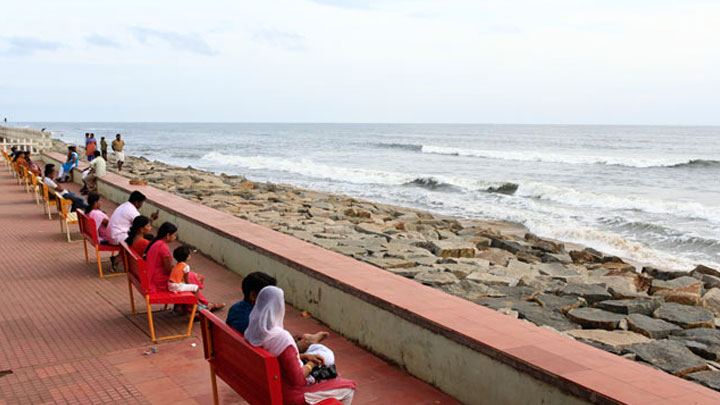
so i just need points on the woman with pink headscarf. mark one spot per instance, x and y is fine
(266, 330)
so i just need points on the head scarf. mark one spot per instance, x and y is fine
(266, 322)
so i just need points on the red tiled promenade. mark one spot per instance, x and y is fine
(67, 336)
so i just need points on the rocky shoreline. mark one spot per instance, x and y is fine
(662, 318)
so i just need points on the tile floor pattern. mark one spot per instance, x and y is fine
(68, 337)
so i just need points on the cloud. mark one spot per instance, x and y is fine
(352, 4)
(285, 40)
(182, 42)
(99, 40)
(23, 46)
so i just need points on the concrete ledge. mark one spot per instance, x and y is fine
(471, 352)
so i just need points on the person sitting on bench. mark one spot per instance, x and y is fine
(182, 279)
(266, 330)
(66, 168)
(139, 235)
(122, 218)
(158, 261)
(77, 201)
(32, 166)
(101, 219)
(239, 314)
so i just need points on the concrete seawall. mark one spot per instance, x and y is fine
(473, 353)
(25, 138)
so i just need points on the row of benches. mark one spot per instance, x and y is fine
(251, 371)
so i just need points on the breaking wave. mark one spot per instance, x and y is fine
(403, 146)
(585, 199)
(549, 157)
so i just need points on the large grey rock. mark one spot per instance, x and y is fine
(436, 278)
(511, 246)
(491, 279)
(702, 341)
(593, 318)
(471, 291)
(541, 316)
(669, 356)
(634, 306)
(711, 301)
(448, 248)
(498, 303)
(411, 272)
(660, 274)
(651, 327)
(592, 293)
(681, 284)
(496, 256)
(459, 270)
(710, 379)
(702, 269)
(685, 316)
(520, 293)
(560, 304)
(617, 340)
(555, 269)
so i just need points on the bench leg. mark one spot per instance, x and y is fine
(87, 259)
(192, 318)
(213, 382)
(132, 299)
(97, 253)
(67, 231)
(150, 320)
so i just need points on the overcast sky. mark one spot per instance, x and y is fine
(499, 61)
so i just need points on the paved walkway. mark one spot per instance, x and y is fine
(67, 336)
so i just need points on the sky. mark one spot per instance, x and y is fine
(441, 61)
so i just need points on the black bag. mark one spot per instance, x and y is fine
(324, 373)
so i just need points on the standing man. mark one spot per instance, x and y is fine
(103, 148)
(117, 147)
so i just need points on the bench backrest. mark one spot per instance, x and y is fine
(136, 270)
(88, 228)
(251, 371)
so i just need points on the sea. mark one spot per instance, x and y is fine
(650, 194)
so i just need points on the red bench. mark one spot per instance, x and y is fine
(137, 276)
(251, 371)
(89, 232)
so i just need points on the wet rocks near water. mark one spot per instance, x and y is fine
(659, 317)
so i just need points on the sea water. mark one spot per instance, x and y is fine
(646, 193)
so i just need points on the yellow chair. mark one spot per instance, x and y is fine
(67, 218)
(35, 184)
(48, 201)
(26, 178)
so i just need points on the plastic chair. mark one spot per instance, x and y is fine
(67, 217)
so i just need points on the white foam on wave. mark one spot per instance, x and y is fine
(562, 224)
(309, 168)
(550, 157)
(585, 199)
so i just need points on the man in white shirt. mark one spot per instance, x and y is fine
(77, 201)
(97, 169)
(123, 216)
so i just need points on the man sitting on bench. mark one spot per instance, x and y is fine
(77, 201)
(239, 317)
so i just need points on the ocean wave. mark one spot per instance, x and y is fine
(586, 199)
(698, 163)
(403, 146)
(549, 157)
(308, 168)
